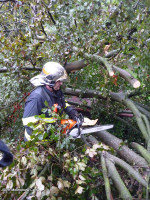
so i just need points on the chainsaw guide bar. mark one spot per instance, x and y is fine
(90, 130)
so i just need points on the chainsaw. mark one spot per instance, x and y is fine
(75, 128)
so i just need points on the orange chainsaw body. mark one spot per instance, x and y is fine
(68, 124)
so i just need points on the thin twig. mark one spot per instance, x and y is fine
(51, 17)
(135, 7)
(43, 29)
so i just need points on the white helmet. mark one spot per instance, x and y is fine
(53, 71)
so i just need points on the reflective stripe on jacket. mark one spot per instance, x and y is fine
(33, 119)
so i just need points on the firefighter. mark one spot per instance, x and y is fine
(47, 88)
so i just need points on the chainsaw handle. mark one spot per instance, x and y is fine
(78, 126)
(79, 121)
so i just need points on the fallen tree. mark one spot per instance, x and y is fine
(68, 32)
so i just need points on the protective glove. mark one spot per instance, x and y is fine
(74, 114)
(71, 112)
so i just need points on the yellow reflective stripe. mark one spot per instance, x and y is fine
(48, 120)
(67, 104)
(27, 136)
(45, 72)
(34, 120)
(29, 119)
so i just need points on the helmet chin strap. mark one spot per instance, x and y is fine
(50, 88)
(52, 83)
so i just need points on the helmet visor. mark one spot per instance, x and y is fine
(64, 77)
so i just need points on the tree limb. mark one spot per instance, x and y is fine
(3, 1)
(105, 176)
(127, 76)
(112, 53)
(128, 168)
(142, 151)
(75, 66)
(145, 107)
(84, 94)
(100, 60)
(135, 7)
(5, 69)
(124, 192)
(115, 160)
(122, 150)
(71, 67)
(142, 122)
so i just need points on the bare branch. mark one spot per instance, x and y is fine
(3, 1)
(43, 29)
(141, 119)
(51, 17)
(135, 7)
(84, 94)
(75, 66)
(124, 192)
(142, 151)
(127, 76)
(100, 60)
(105, 176)
(112, 53)
(5, 69)
(121, 148)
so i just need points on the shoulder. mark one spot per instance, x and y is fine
(38, 90)
(35, 95)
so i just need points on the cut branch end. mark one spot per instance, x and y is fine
(136, 83)
(111, 73)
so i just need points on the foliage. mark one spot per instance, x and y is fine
(33, 32)
(71, 172)
(37, 31)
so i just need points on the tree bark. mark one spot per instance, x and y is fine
(75, 66)
(110, 161)
(127, 76)
(84, 94)
(5, 69)
(142, 151)
(100, 60)
(122, 150)
(124, 192)
(105, 176)
(141, 119)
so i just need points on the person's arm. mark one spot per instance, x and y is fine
(32, 107)
(70, 110)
